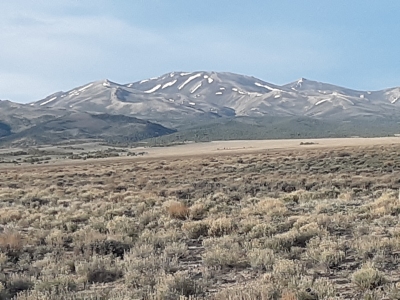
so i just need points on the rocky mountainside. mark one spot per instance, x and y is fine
(179, 95)
(201, 106)
(26, 125)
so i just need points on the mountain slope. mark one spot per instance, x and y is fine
(5, 129)
(278, 127)
(210, 105)
(108, 97)
(176, 97)
(29, 125)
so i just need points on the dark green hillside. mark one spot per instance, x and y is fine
(84, 126)
(244, 128)
(5, 129)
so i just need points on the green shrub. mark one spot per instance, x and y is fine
(368, 278)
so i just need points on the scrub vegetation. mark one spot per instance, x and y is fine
(288, 224)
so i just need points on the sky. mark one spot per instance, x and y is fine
(49, 46)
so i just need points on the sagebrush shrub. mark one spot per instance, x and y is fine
(368, 278)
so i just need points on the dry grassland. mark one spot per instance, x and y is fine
(252, 146)
(294, 224)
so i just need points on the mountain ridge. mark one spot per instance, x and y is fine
(200, 105)
(178, 94)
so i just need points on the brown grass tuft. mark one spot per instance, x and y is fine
(11, 240)
(178, 210)
(286, 295)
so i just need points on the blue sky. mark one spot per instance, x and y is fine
(48, 46)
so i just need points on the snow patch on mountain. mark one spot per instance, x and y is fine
(168, 84)
(321, 101)
(153, 89)
(188, 80)
(48, 101)
(254, 94)
(195, 88)
(348, 100)
(267, 87)
(85, 87)
(299, 83)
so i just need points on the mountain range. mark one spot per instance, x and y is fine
(182, 100)
(178, 94)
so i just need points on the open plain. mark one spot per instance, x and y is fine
(251, 146)
(98, 153)
(284, 219)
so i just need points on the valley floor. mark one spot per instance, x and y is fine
(250, 146)
(220, 220)
(96, 152)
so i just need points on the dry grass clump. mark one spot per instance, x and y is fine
(263, 259)
(8, 215)
(250, 291)
(271, 207)
(224, 252)
(198, 211)
(16, 284)
(178, 210)
(196, 229)
(328, 251)
(177, 286)
(387, 204)
(220, 227)
(295, 224)
(11, 241)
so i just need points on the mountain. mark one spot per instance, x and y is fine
(108, 97)
(84, 126)
(25, 125)
(200, 106)
(180, 96)
(5, 129)
(20, 117)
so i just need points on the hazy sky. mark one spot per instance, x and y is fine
(52, 45)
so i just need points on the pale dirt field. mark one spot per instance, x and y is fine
(249, 146)
(227, 148)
